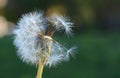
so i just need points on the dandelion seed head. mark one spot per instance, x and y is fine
(33, 38)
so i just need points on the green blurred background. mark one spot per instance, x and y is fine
(96, 34)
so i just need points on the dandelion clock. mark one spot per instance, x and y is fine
(33, 39)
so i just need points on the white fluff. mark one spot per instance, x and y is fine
(29, 26)
(61, 22)
(32, 47)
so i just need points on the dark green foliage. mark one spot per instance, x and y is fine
(98, 56)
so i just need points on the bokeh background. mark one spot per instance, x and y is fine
(96, 34)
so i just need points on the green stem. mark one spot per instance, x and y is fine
(40, 70)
